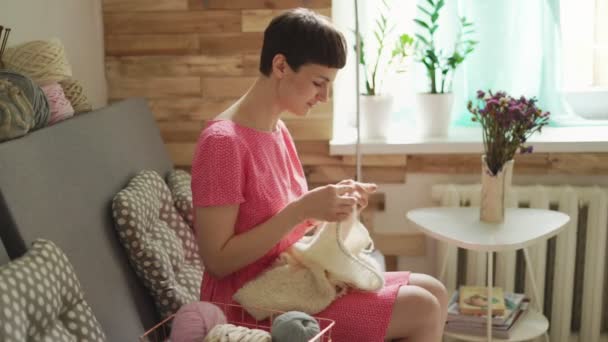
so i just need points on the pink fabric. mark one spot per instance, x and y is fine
(60, 106)
(193, 321)
(261, 171)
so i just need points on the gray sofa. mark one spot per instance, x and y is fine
(58, 183)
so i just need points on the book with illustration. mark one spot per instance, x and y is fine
(473, 300)
(514, 302)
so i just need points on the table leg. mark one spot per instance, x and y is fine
(444, 265)
(534, 288)
(490, 288)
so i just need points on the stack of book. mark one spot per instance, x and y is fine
(467, 311)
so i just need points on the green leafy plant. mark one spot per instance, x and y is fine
(440, 67)
(374, 71)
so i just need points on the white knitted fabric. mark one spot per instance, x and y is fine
(314, 271)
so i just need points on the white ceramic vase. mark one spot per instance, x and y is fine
(434, 114)
(494, 189)
(375, 116)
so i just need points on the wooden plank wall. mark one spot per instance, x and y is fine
(192, 58)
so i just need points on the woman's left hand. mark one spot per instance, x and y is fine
(362, 191)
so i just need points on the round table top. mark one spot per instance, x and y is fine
(461, 226)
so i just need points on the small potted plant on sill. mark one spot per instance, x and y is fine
(376, 105)
(435, 106)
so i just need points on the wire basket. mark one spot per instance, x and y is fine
(162, 331)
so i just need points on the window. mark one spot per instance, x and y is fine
(585, 56)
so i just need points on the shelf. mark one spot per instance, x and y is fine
(530, 325)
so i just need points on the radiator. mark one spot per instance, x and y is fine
(570, 268)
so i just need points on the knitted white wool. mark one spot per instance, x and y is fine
(314, 271)
(233, 333)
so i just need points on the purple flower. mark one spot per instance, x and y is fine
(480, 94)
(526, 149)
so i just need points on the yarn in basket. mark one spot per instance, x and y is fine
(194, 321)
(294, 326)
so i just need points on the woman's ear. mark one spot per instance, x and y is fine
(279, 65)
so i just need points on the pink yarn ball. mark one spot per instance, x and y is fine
(193, 321)
(60, 106)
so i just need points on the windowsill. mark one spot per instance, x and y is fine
(469, 140)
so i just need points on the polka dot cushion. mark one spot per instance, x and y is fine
(160, 245)
(179, 183)
(41, 299)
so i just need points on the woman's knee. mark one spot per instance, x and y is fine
(432, 285)
(415, 310)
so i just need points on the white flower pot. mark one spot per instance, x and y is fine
(434, 114)
(375, 116)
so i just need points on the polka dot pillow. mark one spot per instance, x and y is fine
(160, 245)
(179, 183)
(41, 299)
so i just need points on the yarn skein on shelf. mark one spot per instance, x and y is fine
(23, 105)
(193, 321)
(294, 326)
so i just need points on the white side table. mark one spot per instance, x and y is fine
(522, 227)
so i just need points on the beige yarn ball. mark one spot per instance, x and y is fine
(43, 61)
(75, 94)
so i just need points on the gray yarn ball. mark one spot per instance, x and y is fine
(33, 93)
(294, 326)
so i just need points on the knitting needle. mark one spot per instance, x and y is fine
(6, 33)
(1, 29)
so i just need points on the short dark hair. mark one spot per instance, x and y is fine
(304, 37)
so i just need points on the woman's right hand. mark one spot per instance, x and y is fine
(328, 203)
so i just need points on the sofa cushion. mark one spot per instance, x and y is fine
(58, 183)
(179, 184)
(42, 300)
(160, 244)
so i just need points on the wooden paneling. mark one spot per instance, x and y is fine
(325, 174)
(143, 5)
(257, 20)
(124, 87)
(151, 44)
(172, 22)
(225, 87)
(257, 4)
(248, 43)
(187, 65)
(188, 108)
(534, 163)
(400, 244)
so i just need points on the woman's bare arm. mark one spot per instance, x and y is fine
(223, 252)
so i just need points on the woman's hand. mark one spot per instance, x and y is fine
(362, 191)
(327, 203)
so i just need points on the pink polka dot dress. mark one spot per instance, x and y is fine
(261, 172)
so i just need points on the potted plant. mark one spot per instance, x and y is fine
(506, 124)
(435, 106)
(375, 105)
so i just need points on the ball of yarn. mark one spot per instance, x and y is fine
(233, 333)
(294, 326)
(75, 94)
(193, 321)
(43, 61)
(61, 108)
(24, 106)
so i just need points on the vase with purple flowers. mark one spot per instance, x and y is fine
(507, 123)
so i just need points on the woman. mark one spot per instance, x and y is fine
(251, 199)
